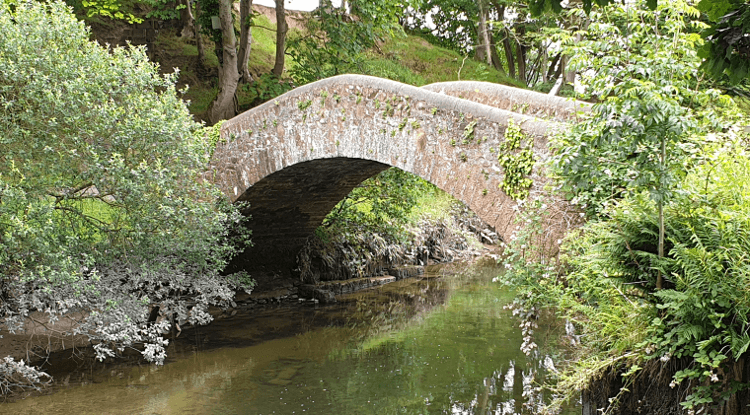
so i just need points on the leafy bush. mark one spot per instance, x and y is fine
(653, 111)
(335, 41)
(382, 203)
(605, 281)
(102, 212)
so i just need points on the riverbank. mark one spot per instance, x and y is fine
(461, 236)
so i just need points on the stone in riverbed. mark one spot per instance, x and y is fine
(355, 284)
(406, 271)
(311, 291)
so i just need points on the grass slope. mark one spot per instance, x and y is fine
(435, 64)
(408, 59)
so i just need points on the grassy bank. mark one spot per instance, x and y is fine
(405, 58)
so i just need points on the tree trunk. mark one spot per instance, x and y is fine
(188, 22)
(281, 29)
(198, 36)
(223, 106)
(521, 55)
(508, 47)
(496, 62)
(553, 71)
(544, 63)
(246, 39)
(483, 49)
(556, 88)
(569, 75)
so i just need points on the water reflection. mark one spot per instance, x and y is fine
(457, 353)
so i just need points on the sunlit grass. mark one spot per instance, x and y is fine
(437, 64)
(435, 205)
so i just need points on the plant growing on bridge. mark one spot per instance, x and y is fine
(102, 211)
(469, 132)
(516, 161)
(212, 136)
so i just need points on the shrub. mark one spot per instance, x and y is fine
(605, 282)
(101, 208)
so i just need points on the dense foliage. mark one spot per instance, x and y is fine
(727, 48)
(643, 69)
(727, 51)
(103, 215)
(604, 283)
(337, 38)
(659, 271)
(383, 203)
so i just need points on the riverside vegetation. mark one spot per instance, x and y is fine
(657, 280)
(102, 218)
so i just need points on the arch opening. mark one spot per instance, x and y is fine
(287, 206)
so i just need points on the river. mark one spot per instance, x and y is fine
(436, 344)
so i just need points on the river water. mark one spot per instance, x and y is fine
(437, 344)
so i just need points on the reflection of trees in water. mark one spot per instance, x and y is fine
(499, 392)
(210, 381)
(437, 362)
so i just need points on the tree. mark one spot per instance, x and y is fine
(233, 54)
(246, 39)
(642, 66)
(337, 37)
(102, 208)
(485, 27)
(484, 51)
(281, 29)
(727, 47)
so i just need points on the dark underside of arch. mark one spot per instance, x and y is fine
(287, 206)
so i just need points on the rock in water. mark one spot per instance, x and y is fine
(311, 291)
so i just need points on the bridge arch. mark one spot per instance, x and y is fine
(295, 157)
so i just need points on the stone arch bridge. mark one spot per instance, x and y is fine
(295, 157)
